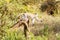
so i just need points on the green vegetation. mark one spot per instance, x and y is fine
(11, 9)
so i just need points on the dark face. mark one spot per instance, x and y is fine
(50, 12)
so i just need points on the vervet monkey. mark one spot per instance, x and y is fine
(50, 6)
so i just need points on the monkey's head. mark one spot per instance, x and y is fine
(43, 7)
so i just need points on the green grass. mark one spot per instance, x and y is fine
(18, 35)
